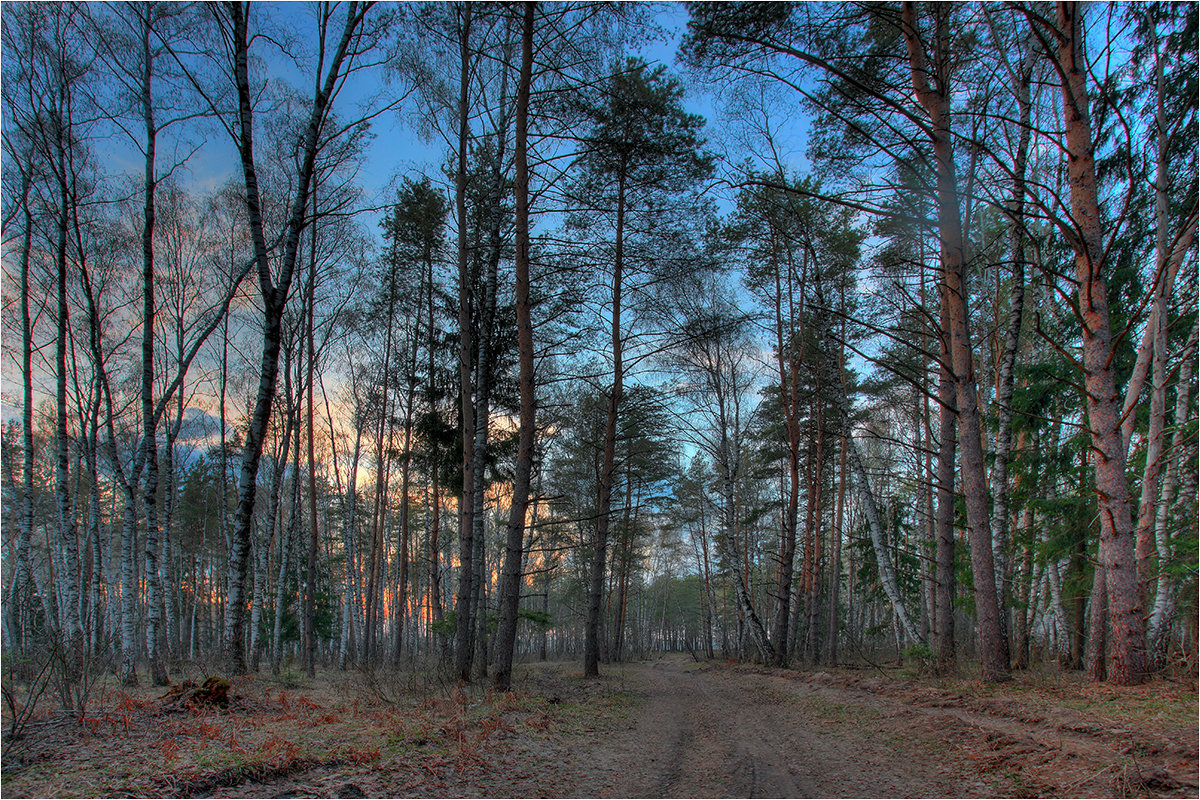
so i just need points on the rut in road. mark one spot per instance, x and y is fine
(709, 733)
(705, 737)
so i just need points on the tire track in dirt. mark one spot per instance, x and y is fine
(717, 748)
(711, 733)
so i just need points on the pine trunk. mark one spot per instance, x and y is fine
(1117, 557)
(510, 573)
(931, 80)
(591, 645)
(465, 634)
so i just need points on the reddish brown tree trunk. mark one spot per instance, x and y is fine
(1126, 627)
(931, 80)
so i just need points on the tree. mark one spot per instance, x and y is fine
(641, 143)
(510, 576)
(857, 94)
(274, 285)
(713, 361)
(416, 232)
(1064, 38)
(931, 77)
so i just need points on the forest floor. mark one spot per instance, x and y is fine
(665, 728)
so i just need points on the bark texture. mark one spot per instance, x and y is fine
(1126, 626)
(931, 80)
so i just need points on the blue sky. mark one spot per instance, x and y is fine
(397, 149)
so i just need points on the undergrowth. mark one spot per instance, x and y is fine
(419, 725)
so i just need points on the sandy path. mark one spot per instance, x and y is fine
(711, 733)
(704, 730)
(700, 736)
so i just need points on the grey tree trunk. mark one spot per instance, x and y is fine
(287, 535)
(509, 589)
(591, 642)
(404, 546)
(465, 634)
(943, 630)
(1168, 258)
(23, 579)
(1012, 333)
(1165, 589)
(380, 515)
(728, 462)
(158, 671)
(168, 581)
(310, 572)
(350, 542)
(835, 563)
(68, 580)
(887, 572)
(127, 672)
(787, 362)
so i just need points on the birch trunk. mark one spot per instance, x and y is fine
(273, 289)
(1165, 589)
(287, 538)
(23, 579)
(310, 572)
(264, 538)
(887, 572)
(127, 672)
(1167, 263)
(170, 502)
(67, 583)
(728, 467)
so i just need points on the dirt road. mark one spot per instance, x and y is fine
(714, 733)
(696, 731)
(665, 728)
(709, 730)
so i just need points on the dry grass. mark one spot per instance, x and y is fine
(128, 745)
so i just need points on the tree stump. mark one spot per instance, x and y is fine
(213, 693)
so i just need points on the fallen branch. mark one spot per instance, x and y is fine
(202, 784)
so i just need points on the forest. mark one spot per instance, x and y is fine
(445, 338)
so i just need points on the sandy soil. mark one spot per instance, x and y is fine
(667, 728)
(719, 731)
(722, 733)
